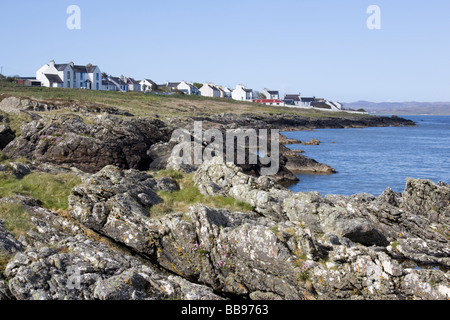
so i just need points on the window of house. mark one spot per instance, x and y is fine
(97, 85)
(81, 76)
(68, 75)
(68, 84)
(81, 84)
(98, 76)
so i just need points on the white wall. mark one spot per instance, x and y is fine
(146, 84)
(208, 91)
(183, 86)
(240, 94)
(70, 79)
(40, 75)
(268, 95)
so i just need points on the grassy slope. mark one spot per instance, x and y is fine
(147, 105)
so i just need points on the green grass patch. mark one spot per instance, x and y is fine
(16, 120)
(168, 173)
(4, 259)
(16, 217)
(52, 190)
(189, 195)
(3, 157)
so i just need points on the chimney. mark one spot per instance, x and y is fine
(52, 63)
(71, 64)
(89, 65)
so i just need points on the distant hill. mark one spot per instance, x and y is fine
(399, 108)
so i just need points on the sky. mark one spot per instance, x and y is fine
(320, 48)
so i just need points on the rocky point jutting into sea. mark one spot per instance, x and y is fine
(111, 243)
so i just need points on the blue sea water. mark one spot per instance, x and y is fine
(372, 159)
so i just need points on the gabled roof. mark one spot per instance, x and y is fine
(61, 67)
(132, 81)
(211, 86)
(53, 78)
(78, 69)
(173, 84)
(84, 69)
(148, 80)
(118, 80)
(294, 97)
(308, 99)
(190, 85)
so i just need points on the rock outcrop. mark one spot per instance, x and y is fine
(289, 122)
(70, 141)
(60, 260)
(17, 105)
(292, 246)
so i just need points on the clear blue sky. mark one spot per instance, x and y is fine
(320, 48)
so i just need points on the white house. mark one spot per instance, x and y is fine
(188, 88)
(228, 92)
(69, 75)
(171, 86)
(297, 100)
(210, 90)
(222, 91)
(115, 84)
(133, 85)
(148, 85)
(270, 94)
(336, 106)
(242, 93)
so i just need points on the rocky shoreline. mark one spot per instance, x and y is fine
(122, 238)
(290, 246)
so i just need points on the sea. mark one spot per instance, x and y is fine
(368, 160)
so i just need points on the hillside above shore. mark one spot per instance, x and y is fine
(184, 108)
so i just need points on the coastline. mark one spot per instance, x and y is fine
(109, 215)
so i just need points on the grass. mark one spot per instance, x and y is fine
(149, 105)
(4, 259)
(16, 217)
(52, 190)
(16, 120)
(3, 157)
(188, 195)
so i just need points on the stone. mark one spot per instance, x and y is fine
(67, 140)
(8, 243)
(312, 142)
(424, 198)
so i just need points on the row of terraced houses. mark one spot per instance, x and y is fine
(90, 77)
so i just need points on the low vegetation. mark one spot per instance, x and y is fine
(149, 105)
(52, 190)
(16, 218)
(16, 120)
(188, 195)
